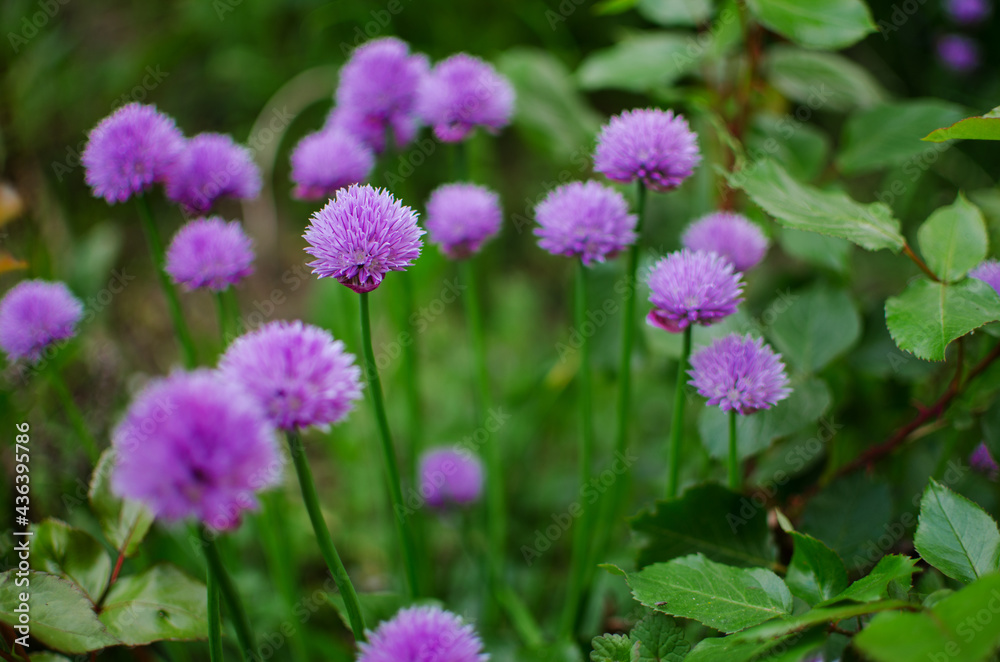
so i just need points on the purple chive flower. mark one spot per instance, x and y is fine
(450, 476)
(33, 315)
(129, 150)
(462, 217)
(958, 53)
(982, 461)
(649, 144)
(195, 445)
(328, 160)
(361, 235)
(739, 373)
(423, 634)
(988, 271)
(586, 220)
(210, 253)
(968, 12)
(688, 287)
(730, 235)
(211, 166)
(464, 92)
(298, 373)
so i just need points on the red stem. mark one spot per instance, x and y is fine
(920, 263)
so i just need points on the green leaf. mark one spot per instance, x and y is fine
(675, 12)
(889, 134)
(802, 147)
(722, 525)
(819, 325)
(784, 626)
(125, 523)
(73, 554)
(875, 585)
(817, 249)
(161, 603)
(955, 535)
(849, 515)
(639, 62)
(819, 24)
(62, 617)
(790, 648)
(821, 80)
(815, 573)
(660, 639)
(927, 316)
(606, 7)
(954, 239)
(720, 596)
(614, 648)
(984, 127)
(802, 207)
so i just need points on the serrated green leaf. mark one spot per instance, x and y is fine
(639, 62)
(955, 535)
(73, 554)
(161, 603)
(983, 127)
(124, 523)
(780, 627)
(820, 324)
(954, 239)
(660, 639)
(822, 80)
(675, 12)
(819, 24)
(802, 148)
(817, 249)
(614, 648)
(850, 515)
(875, 585)
(815, 573)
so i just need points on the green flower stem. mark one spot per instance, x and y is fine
(323, 538)
(169, 291)
(75, 416)
(274, 531)
(214, 620)
(677, 425)
(388, 452)
(410, 375)
(248, 645)
(734, 462)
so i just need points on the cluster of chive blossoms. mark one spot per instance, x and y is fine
(34, 316)
(450, 476)
(586, 220)
(693, 287)
(210, 253)
(649, 145)
(427, 634)
(462, 217)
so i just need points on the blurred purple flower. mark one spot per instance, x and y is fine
(461, 93)
(210, 253)
(730, 235)
(423, 634)
(462, 217)
(195, 445)
(958, 53)
(647, 144)
(739, 373)
(689, 287)
(968, 12)
(982, 461)
(33, 315)
(586, 220)
(297, 372)
(129, 150)
(988, 271)
(361, 235)
(328, 160)
(450, 476)
(211, 166)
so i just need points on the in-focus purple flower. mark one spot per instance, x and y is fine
(739, 373)
(647, 144)
(211, 253)
(692, 287)
(988, 271)
(968, 12)
(462, 217)
(586, 220)
(958, 53)
(423, 634)
(378, 91)
(450, 476)
(328, 160)
(33, 315)
(298, 373)
(361, 235)
(731, 235)
(129, 150)
(195, 445)
(461, 93)
(982, 461)
(211, 166)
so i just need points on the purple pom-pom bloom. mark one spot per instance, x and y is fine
(361, 235)
(988, 271)
(730, 235)
(586, 220)
(209, 252)
(689, 287)
(649, 144)
(297, 372)
(129, 150)
(958, 53)
(423, 634)
(328, 160)
(968, 12)
(462, 217)
(982, 461)
(450, 476)
(461, 93)
(195, 445)
(739, 373)
(33, 315)
(211, 166)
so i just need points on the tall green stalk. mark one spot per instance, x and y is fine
(248, 645)
(734, 462)
(214, 620)
(410, 375)
(73, 413)
(677, 424)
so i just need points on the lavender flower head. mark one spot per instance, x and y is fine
(34, 314)
(688, 287)
(739, 374)
(461, 93)
(328, 160)
(650, 145)
(450, 476)
(195, 445)
(211, 166)
(210, 253)
(988, 271)
(361, 235)
(586, 220)
(958, 53)
(982, 461)
(298, 373)
(968, 12)
(730, 235)
(462, 217)
(129, 150)
(423, 634)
